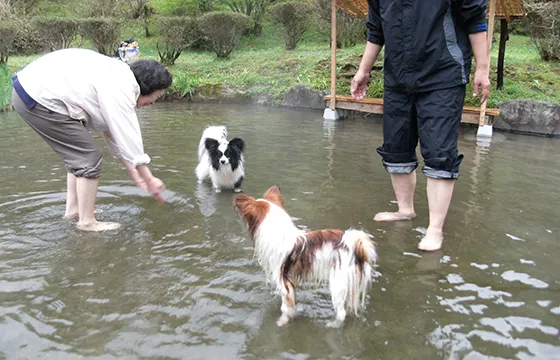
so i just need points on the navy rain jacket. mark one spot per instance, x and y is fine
(427, 44)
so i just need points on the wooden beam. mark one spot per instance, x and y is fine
(375, 106)
(504, 37)
(505, 10)
(333, 54)
(492, 12)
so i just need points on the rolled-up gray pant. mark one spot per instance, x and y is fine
(68, 137)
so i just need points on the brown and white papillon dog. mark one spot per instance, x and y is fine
(290, 256)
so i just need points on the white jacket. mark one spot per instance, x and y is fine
(95, 88)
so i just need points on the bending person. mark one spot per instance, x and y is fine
(65, 94)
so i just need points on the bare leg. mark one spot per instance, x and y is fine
(403, 185)
(440, 192)
(71, 198)
(87, 191)
(288, 304)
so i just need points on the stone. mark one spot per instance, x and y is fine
(219, 92)
(302, 96)
(527, 116)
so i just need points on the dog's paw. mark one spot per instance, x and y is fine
(335, 323)
(217, 190)
(199, 181)
(283, 320)
(238, 190)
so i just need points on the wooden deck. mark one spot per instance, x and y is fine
(471, 114)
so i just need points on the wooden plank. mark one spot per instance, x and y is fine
(470, 117)
(333, 53)
(375, 103)
(489, 37)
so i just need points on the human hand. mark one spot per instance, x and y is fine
(481, 81)
(135, 176)
(156, 188)
(359, 84)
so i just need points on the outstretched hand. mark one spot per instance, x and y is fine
(156, 188)
(359, 84)
(135, 176)
(481, 81)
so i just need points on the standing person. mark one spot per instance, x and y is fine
(66, 92)
(428, 52)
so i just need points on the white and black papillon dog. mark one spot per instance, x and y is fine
(220, 160)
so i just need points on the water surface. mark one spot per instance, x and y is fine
(178, 281)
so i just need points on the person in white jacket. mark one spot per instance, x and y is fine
(65, 94)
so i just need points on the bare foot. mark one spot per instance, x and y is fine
(73, 216)
(393, 216)
(431, 242)
(98, 226)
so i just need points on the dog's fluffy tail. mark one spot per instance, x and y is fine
(363, 257)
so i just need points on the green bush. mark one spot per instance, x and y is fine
(350, 30)
(57, 33)
(104, 33)
(224, 30)
(176, 33)
(294, 17)
(255, 9)
(28, 39)
(545, 28)
(8, 32)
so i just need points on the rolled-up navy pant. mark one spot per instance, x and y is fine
(434, 119)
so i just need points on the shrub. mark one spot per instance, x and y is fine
(545, 28)
(57, 33)
(28, 39)
(177, 33)
(294, 17)
(102, 32)
(350, 30)
(8, 32)
(224, 30)
(255, 9)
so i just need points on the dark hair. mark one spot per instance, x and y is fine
(151, 76)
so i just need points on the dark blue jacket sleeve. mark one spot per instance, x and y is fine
(472, 14)
(374, 26)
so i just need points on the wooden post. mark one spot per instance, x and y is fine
(504, 36)
(333, 56)
(492, 13)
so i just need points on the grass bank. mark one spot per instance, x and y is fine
(261, 67)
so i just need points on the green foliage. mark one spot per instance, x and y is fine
(224, 30)
(176, 33)
(175, 7)
(294, 17)
(8, 32)
(28, 39)
(57, 33)
(255, 9)
(104, 33)
(5, 86)
(350, 30)
(544, 25)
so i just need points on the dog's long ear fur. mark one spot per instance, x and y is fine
(252, 211)
(237, 143)
(211, 144)
(274, 196)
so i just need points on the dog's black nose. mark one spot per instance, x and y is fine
(223, 161)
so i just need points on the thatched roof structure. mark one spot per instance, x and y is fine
(505, 9)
